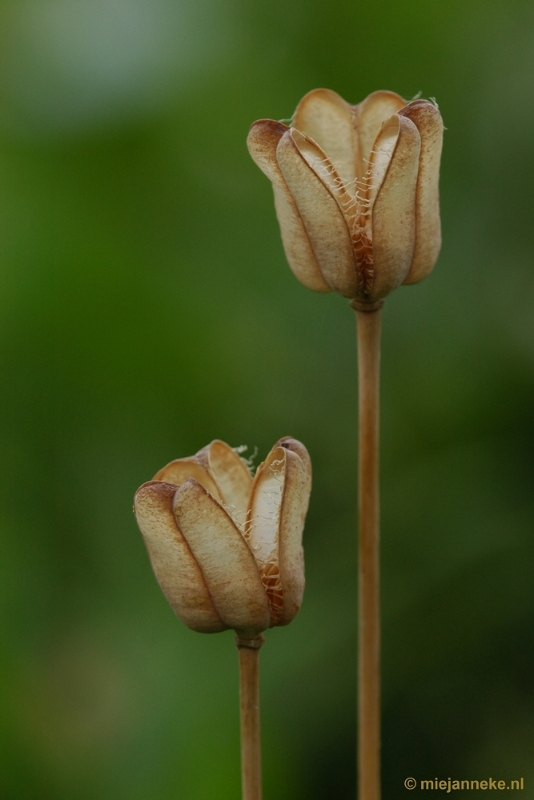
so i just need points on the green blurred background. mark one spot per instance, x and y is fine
(146, 308)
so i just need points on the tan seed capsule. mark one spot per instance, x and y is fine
(356, 191)
(226, 548)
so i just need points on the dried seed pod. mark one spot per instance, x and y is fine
(356, 191)
(226, 548)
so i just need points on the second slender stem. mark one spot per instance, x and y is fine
(249, 700)
(368, 327)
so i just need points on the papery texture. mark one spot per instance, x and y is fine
(356, 191)
(226, 548)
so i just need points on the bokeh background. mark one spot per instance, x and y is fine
(146, 308)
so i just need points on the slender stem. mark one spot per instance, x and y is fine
(249, 697)
(368, 326)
